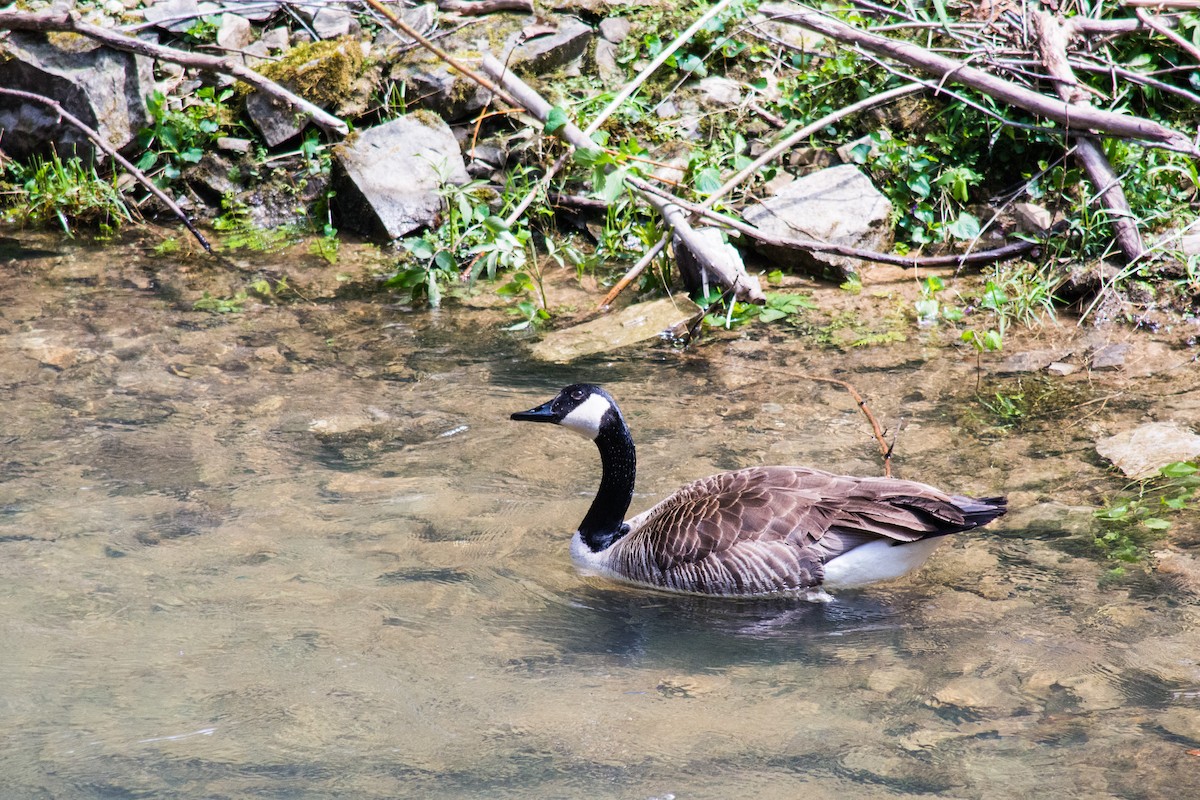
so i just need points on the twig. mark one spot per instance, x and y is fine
(1008, 251)
(808, 130)
(1157, 25)
(634, 271)
(885, 449)
(61, 19)
(462, 69)
(479, 7)
(98, 140)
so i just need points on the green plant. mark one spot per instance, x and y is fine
(926, 187)
(1131, 521)
(67, 192)
(178, 137)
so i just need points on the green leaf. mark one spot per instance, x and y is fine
(965, 227)
(555, 120)
(613, 186)
(1156, 524)
(707, 180)
(589, 158)
(495, 224)
(1178, 469)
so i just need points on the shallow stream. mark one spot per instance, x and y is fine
(299, 551)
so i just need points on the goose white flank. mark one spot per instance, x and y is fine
(753, 532)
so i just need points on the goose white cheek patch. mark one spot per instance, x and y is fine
(585, 419)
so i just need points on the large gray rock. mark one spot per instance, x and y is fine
(102, 87)
(387, 178)
(838, 205)
(1140, 452)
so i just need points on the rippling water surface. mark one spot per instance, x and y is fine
(300, 552)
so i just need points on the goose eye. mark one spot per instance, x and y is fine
(577, 394)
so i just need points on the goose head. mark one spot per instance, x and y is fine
(583, 408)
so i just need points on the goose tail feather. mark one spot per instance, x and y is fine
(980, 510)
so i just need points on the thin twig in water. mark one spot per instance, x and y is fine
(885, 449)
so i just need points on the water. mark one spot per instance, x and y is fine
(301, 552)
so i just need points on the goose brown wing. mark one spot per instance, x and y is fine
(773, 528)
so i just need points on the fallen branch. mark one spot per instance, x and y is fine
(714, 260)
(95, 138)
(61, 19)
(1076, 117)
(1052, 37)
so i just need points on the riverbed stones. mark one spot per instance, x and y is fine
(388, 177)
(102, 87)
(1140, 452)
(838, 205)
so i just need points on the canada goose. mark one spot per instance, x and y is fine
(756, 531)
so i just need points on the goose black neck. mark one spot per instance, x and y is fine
(605, 520)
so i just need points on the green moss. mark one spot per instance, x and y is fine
(321, 72)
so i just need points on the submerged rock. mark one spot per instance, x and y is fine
(102, 87)
(1139, 453)
(388, 177)
(630, 325)
(838, 205)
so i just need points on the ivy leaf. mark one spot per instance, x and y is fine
(708, 180)
(555, 120)
(1178, 469)
(965, 227)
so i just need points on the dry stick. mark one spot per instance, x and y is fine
(637, 269)
(1052, 38)
(63, 20)
(98, 140)
(808, 130)
(730, 275)
(461, 68)
(650, 69)
(1083, 118)
(616, 102)
(885, 449)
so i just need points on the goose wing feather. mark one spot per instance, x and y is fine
(767, 529)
